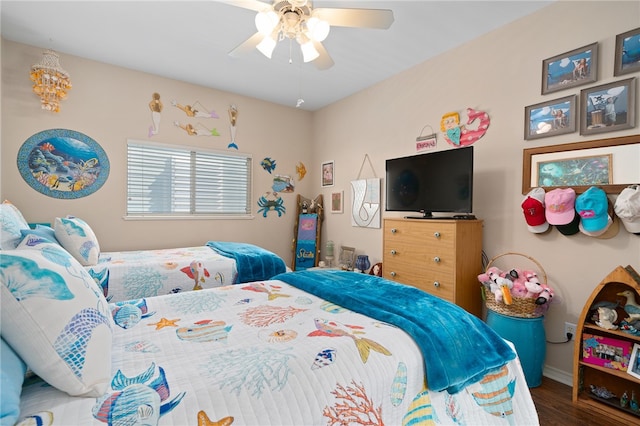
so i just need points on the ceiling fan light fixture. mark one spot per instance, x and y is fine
(309, 52)
(318, 29)
(266, 21)
(266, 46)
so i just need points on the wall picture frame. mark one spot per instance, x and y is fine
(337, 202)
(63, 163)
(594, 170)
(327, 173)
(608, 107)
(570, 69)
(627, 53)
(550, 118)
(634, 361)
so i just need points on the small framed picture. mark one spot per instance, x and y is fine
(634, 362)
(347, 257)
(337, 202)
(608, 107)
(570, 69)
(328, 173)
(550, 118)
(627, 53)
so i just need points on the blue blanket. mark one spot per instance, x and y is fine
(458, 348)
(252, 262)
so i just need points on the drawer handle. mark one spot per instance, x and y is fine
(436, 259)
(393, 274)
(436, 234)
(436, 284)
(393, 252)
(394, 230)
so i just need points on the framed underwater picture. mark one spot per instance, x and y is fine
(63, 163)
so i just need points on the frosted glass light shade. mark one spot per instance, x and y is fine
(318, 29)
(266, 46)
(266, 22)
(309, 52)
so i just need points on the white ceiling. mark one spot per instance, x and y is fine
(189, 41)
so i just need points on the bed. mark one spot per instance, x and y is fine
(317, 347)
(125, 275)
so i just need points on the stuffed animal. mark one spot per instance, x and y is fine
(494, 279)
(545, 295)
(518, 289)
(532, 284)
(504, 288)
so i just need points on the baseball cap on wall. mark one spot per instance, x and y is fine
(572, 227)
(533, 210)
(627, 208)
(592, 206)
(560, 206)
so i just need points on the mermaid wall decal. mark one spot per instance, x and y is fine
(460, 135)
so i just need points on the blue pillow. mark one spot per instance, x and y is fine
(41, 231)
(11, 378)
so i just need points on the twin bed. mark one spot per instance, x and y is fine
(126, 275)
(315, 347)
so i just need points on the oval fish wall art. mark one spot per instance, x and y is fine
(63, 163)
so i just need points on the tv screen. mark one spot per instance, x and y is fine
(439, 181)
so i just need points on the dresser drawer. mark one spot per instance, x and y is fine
(439, 283)
(441, 257)
(436, 234)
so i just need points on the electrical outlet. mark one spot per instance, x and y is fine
(570, 328)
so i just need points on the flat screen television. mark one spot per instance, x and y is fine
(434, 182)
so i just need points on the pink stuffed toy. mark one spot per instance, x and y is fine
(532, 283)
(518, 289)
(494, 279)
(545, 295)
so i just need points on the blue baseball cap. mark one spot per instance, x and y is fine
(592, 206)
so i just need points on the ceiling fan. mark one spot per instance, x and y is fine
(298, 20)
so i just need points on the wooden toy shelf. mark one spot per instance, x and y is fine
(586, 374)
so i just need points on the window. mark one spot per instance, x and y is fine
(165, 180)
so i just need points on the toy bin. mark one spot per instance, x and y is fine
(529, 338)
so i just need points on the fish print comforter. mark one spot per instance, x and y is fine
(126, 275)
(267, 353)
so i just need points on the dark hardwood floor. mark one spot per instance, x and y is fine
(553, 402)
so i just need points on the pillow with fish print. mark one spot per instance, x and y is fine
(55, 318)
(77, 237)
(11, 222)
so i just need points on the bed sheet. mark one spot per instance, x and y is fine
(125, 275)
(266, 353)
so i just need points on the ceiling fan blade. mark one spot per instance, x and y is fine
(255, 5)
(247, 45)
(362, 18)
(324, 61)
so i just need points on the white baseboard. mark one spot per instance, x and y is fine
(558, 375)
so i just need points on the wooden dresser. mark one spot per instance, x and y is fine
(440, 256)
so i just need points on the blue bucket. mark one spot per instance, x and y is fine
(529, 338)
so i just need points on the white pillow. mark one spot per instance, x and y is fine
(77, 237)
(55, 318)
(11, 222)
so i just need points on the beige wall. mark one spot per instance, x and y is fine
(499, 73)
(109, 104)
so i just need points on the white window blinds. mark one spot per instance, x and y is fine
(178, 181)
